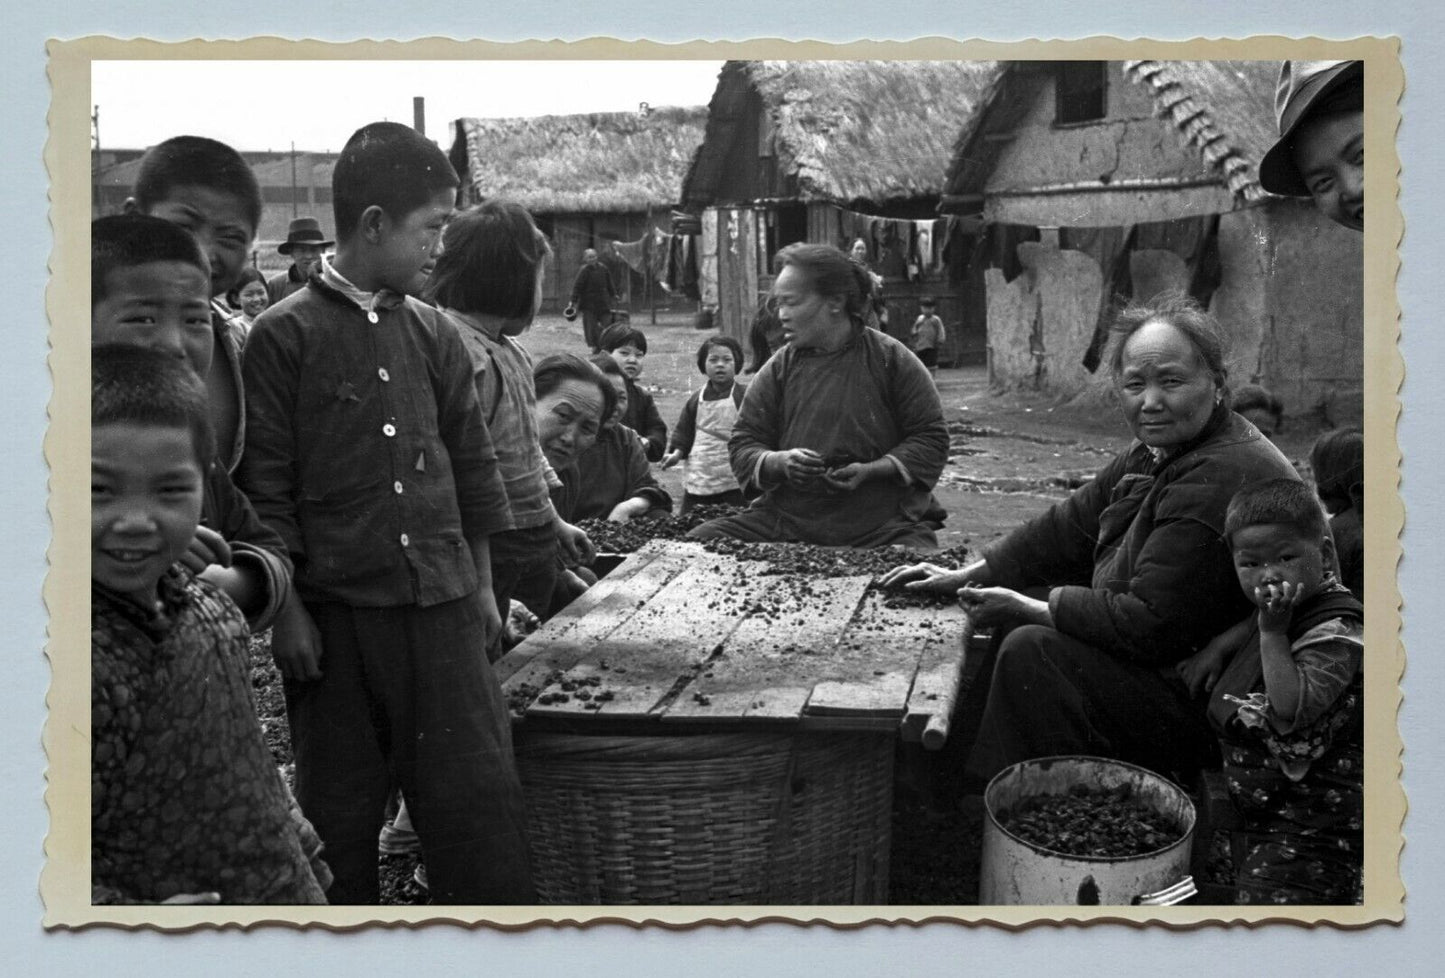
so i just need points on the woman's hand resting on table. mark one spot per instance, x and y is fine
(931, 577)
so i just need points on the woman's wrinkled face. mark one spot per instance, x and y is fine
(567, 421)
(859, 251)
(807, 319)
(1329, 152)
(1165, 389)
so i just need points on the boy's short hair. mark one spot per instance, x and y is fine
(1338, 462)
(927, 302)
(1284, 501)
(491, 256)
(731, 344)
(128, 240)
(140, 386)
(195, 161)
(386, 165)
(622, 334)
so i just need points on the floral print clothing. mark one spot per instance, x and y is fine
(185, 797)
(1300, 785)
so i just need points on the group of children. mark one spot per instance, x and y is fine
(393, 492)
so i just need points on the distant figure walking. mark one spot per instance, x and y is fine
(592, 295)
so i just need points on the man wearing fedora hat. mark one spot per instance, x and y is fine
(304, 244)
(1320, 108)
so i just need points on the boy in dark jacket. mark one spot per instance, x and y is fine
(366, 450)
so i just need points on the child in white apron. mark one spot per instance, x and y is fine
(705, 425)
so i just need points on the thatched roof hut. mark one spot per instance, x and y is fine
(854, 133)
(1223, 109)
(598, 163)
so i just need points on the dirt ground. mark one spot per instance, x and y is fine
(1011, 456)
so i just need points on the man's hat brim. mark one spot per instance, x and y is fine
(286, 246)
(1277, 171)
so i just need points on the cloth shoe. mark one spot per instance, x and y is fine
(397, 841)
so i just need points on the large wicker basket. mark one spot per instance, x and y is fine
(737, 818)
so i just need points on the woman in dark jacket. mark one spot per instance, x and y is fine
(1131, 573)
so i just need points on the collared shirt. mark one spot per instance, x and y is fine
(503, 373)
(366, 448)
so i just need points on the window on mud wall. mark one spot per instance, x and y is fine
(1081, 92)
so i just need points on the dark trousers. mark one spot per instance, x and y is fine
(594, 321)
(1051, 694)
(407, 698)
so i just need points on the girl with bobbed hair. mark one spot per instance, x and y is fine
(841, 429)
(488, 280)
(1095, 603)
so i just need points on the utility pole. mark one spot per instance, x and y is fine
(293, 180)
(95, 202)
(418, 114)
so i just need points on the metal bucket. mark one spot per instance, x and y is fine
(1016, 872)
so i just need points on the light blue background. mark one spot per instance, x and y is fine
(25, 949)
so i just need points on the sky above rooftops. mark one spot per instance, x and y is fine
(269, 105)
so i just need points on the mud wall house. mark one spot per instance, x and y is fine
(589, 180)
(811, 151)
(1103, 181)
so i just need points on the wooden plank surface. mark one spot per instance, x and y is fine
(684, 635)
(526, 670)
(771, 662)
(639, 668)
(875, 662)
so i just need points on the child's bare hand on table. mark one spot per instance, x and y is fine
(576, 545)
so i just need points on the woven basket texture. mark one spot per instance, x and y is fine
(735, 818)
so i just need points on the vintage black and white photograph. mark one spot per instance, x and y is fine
(821, 483)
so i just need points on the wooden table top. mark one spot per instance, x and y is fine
(679, 635)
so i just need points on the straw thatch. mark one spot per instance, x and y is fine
(613, 162)
(1223, 109)
(849, 132)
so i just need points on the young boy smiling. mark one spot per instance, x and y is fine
(186, 803)
(367, 451)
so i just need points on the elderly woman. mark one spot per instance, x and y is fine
(611, 479)
(841, 429)
(1136, 571)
